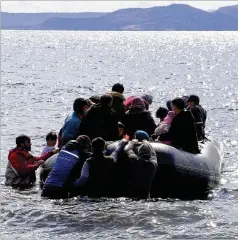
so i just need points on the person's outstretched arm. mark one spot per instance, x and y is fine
(130, 151)
(118, 149)
(84, 176)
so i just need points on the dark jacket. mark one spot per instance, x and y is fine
(138, 120)
(143, 166)
(100, 121)
(200, 116)
(182, 132)
(101, 169)
(118, 105)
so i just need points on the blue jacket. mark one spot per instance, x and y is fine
(71, 127)
(62, 170)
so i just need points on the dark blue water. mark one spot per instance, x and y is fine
(43, 72)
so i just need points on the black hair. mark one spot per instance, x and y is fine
(121, 125)
(84, 143)
(105, 100)
(22, 139)
(95, 99)
(98, 145)
(78, 105)
(118, 87)
(71, 145)
(169, 105)
(193, 98)
(161, 112)
(51, 136)
(179, 103)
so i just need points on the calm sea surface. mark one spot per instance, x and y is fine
(42, 72)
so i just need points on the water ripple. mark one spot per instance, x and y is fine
(43, 72)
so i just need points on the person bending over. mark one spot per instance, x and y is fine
(142, 166)
(67, 168)
(97, 171)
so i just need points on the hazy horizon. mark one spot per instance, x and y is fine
(99, 6)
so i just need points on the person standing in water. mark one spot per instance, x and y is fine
(97, 172)
(67, 168)
(21, 167)
(142, 165)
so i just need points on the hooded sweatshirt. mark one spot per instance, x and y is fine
(165, 124)
(142, 170)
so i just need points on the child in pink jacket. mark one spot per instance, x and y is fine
(164, 126)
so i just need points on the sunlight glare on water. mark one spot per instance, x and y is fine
(44, 71)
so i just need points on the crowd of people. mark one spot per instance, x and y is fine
(80, 165)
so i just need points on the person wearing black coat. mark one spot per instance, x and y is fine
(118, 105)
(100, 121)
(138, 118)
(199, 114)
(98, 171)
(182, 132)
(118, 100)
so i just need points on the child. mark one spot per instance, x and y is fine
(51, 139)
(164, 126)
(122, 131)
(161, 113)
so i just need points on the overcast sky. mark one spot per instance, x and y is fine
(99, 6)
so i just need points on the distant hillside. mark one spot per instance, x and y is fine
(31, 19)
(230, 10)
(174, 17)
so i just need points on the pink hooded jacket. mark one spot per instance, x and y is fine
(165, 124)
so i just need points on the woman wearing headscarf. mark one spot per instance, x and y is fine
(138, 118)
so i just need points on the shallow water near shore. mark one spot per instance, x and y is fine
(42, 72)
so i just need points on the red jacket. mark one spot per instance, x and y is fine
(23, 162)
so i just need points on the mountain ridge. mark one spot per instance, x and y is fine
(178, 17)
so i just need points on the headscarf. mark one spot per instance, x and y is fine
(148, 98)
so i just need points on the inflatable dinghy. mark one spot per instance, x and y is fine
(184, 175)
(179, 175)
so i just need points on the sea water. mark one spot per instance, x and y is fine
(42, 72)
